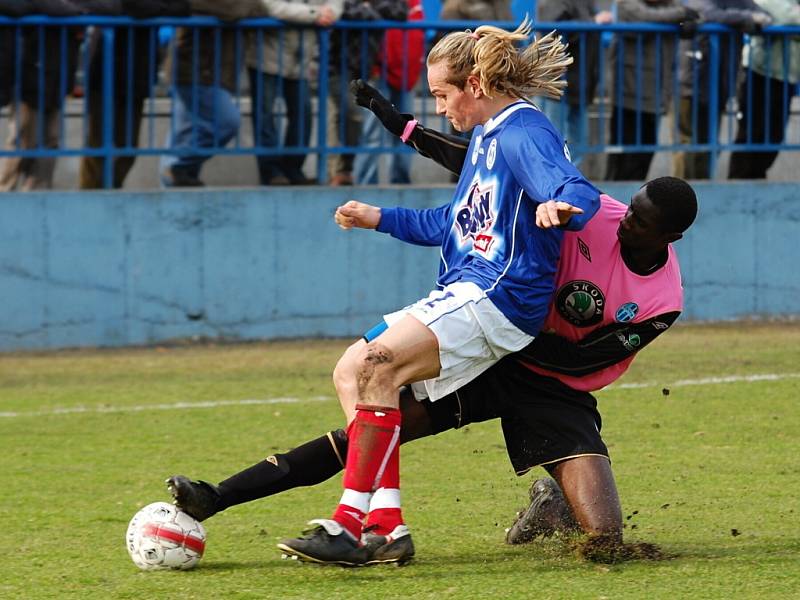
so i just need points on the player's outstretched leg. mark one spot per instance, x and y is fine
(198, 499)
(547, 513)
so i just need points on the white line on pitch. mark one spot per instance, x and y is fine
(102, 409)
(708, 381)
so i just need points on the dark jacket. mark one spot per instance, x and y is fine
(212, 44)
(361, 57)
(576, 10)
(637, 90)
(136, 51)
(694, 54)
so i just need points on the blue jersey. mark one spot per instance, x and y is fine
(488, 233)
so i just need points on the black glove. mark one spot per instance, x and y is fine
(370, 98)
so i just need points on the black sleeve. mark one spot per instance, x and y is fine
(444, 149)
(602, 348)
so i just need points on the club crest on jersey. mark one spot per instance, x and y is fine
(627, 312)
(474, 219)
(491, 155)
(581, 303)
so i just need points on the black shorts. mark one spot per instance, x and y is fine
(544, 421)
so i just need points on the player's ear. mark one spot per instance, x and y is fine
(474, 86)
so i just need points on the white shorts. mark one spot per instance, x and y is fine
(472, 333)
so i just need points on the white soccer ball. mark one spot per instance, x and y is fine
(162, 537)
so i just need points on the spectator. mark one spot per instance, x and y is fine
(48, 59)
(353, 56)
(204, 114)
(480, 12)
(694, 109)
(132, 84)
(399, 69)
(766, 92)
(635, 108)
(282, 69)
(569, 115)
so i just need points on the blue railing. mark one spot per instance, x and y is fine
(124, 44)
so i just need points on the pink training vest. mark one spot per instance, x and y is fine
(594, 288)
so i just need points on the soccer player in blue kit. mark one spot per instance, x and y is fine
(500, 239)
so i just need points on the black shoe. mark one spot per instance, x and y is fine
(327, 543)
(396, 547)
(172, 177)
(197, 499)
(547, 513)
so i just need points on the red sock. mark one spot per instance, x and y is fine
(384, 507)
(373, 437)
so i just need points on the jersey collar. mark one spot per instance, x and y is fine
(496, 120)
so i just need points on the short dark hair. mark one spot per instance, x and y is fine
(676, 200)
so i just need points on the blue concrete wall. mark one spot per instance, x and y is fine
(114, 268)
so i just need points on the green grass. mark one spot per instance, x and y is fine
(692, 466)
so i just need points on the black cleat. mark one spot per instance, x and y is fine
(327, 543)
(396, 547)
(197, 499)
(547, 513)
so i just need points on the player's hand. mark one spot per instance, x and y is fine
(368, 97)
(357, 214)
(326, 16)
(555, 213)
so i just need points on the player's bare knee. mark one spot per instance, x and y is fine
(375, 368)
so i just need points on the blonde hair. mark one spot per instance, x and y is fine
(490, 53)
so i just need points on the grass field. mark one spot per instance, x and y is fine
(711, 472)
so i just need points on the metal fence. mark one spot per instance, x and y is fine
(126, 68)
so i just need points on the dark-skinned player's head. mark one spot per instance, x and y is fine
(660, 211)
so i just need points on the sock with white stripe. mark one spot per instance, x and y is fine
(373, 448)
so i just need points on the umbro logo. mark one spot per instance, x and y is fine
(584, 250)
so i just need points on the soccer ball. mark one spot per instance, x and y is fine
(162, 537)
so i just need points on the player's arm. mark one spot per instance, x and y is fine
(536, 157)
(423, 227)
(449, 151)
(602, 348)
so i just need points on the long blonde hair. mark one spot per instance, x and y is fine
(491, 54)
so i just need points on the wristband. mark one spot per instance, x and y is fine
(409, 128)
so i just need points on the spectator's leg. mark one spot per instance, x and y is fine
(263, 90)
(298, 127)
(699, 163)
(11, 167)
(632, 166)
(123, 164)
(368, 164)
(747, 164)
(40, 174)
(90, 174)
(346, 129)
(214, 106)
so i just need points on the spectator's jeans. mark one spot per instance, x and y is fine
(213, 125)
(374, 136)
(570, 120)
(344, 124)
(36, 130)
(295, 93)
(693, 128)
